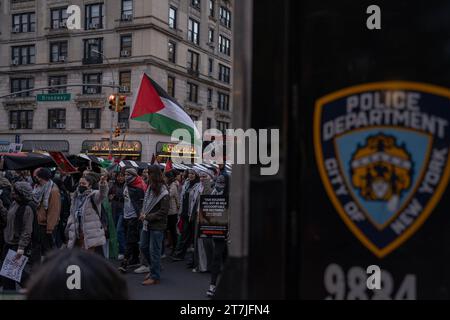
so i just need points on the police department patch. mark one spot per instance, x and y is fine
(382, 150)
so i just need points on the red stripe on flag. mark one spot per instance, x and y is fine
(147, 100)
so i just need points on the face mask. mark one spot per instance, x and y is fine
(82, 189)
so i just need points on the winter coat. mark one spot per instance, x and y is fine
(91, 225)
(19, 234)
(50, 217)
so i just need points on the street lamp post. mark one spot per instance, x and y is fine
(113, 113)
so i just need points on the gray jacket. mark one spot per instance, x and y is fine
(174, 195)
(91, 225)
(12, 235)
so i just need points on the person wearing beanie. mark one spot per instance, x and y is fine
(19, 227)
(47, 196)
(133, 195)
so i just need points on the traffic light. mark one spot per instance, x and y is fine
(117, 132)
(112, 102)
(122, 103)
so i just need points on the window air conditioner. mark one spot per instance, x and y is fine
(91, 90)
(124, 53)
(60, 126)
(16, 29)
(15, 62)
(124, 89)
(63, 24)
(90, 125)
(13, 126)
(127, 17)
(62, 59)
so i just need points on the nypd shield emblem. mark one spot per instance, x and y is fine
(382, 150)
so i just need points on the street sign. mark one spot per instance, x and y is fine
(53, 97)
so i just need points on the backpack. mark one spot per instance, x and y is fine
(102, 215)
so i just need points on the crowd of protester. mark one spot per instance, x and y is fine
(138, 217)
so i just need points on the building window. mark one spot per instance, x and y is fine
(210, 66)
(90, 118)
(58, 51)
(172, 52)
(92, 51)
(222, 126)
(126, 43)
(173, 17)
(21, 119)
(225, 17)
(127, 10)
(23, 55)
(57, 118)
(193, 61)
(92, 78)
(123, 118)
(194, 118)
(210, 96)
(57, 81)
(24, 22)
(224, 73)
(212, 6)
(94, 16)
(208, 123)
(171, 86)
(193, 31)
(211, 36)
(58, 18)
(224, 102)
(224, 45)
(125, 81)
(192, 92)
(22, 84)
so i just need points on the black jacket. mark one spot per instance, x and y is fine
(157, 217)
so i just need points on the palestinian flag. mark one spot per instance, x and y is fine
(153, 105)
(169, 166)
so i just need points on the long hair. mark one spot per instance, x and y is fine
(155, 178)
